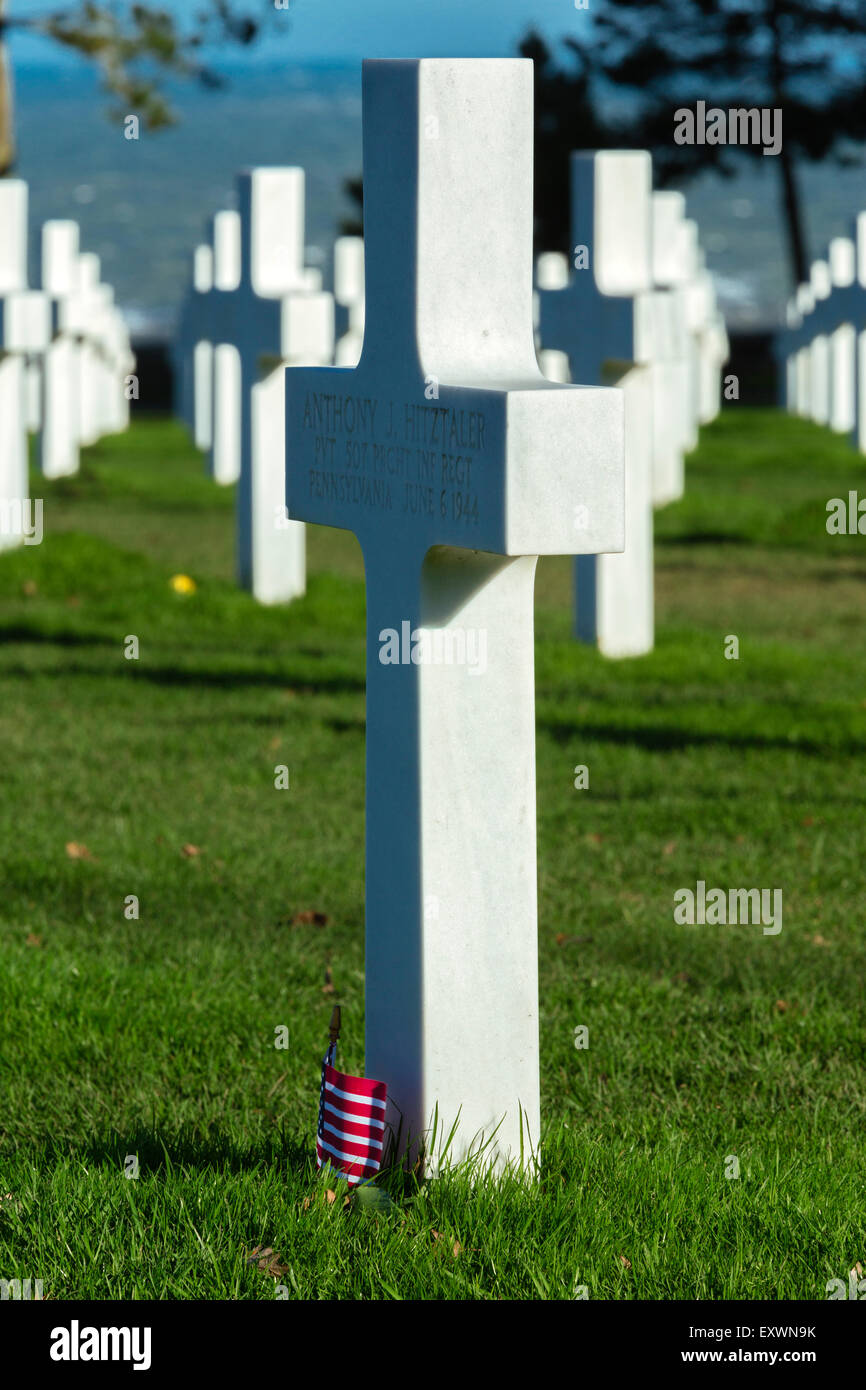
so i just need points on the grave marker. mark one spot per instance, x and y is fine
(819, 346)
(270, 317)
(193, 353)
(670, 372)
(349, 295)
(805, 303)
(456, 464)
(603, 322)
(24, 333)
(59, 438)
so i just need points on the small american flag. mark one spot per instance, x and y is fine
(351, 1128)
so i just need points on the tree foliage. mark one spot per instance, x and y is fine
(805, 57)
(137, 48)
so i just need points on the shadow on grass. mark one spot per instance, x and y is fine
(302, 682)
(36, 637)
(707, 538)
(160, 1151)
(659, 739)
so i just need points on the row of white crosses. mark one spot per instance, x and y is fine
(821, 351)
(64, 355)
(638, 312)
(252, 309)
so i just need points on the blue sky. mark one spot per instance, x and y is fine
(354, 29)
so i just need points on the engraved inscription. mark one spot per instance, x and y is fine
(395, 456)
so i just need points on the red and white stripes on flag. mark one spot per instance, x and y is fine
(351, 1128)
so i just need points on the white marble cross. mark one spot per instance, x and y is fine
(840, 317)
(785, 347)
(193, 353)
(819, 344)
(349, 295)
(708, 326)
(805, 303)
(456, 464)
(263, 314)
(603, 322)
(671, 370)
(59, 437)
(24, 335)
(224, 447)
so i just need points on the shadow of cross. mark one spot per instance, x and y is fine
(25, 331)
(267, 307)
(603, 321)
(456, 464)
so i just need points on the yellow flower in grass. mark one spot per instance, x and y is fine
(182, 584)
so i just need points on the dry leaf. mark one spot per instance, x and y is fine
(331, 1196)
(33, 940)
(29, 588)
(267, 1261)
(560, 938)
(76, 851)
(669, 847)
(625, 1262)
(858, 1270)
(808, 820)
(456, 1248)
(310, 918)
(275, 742)
(782, 1005)
(190, 851)
(819, 940)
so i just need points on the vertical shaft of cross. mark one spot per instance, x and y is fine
(452, 976)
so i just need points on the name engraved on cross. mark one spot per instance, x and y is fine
(397, 456)
(456, 464)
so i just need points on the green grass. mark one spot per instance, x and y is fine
(155, 1037)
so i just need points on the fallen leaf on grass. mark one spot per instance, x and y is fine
(29, 588)
(267, 1261)
(782, 1006)
(669, 847)
(310, 918)
(330, 1198)
(455, 1248)
(76, 851)
(190, 851)
(33, 940)
(819, 940)
(625, 1262)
